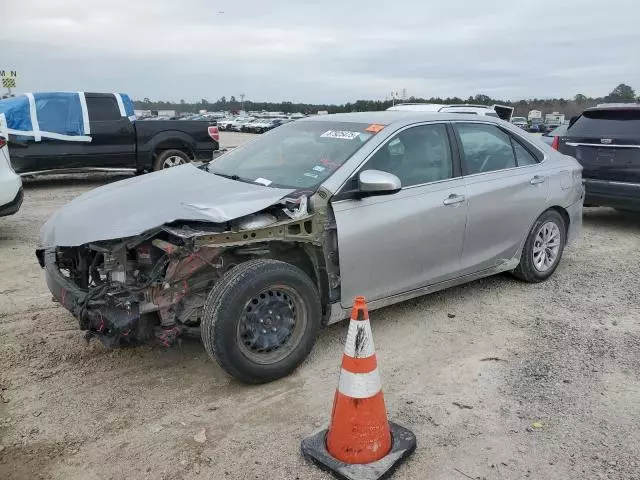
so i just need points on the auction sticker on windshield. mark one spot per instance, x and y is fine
(340, 134)
(263, 181)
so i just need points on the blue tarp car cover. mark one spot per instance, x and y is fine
(57, 115)
(126, 106)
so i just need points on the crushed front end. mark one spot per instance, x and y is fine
(111, 286)
(154, 285)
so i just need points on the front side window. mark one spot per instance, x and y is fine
(416, 155)
(298, 155)
(485, 148)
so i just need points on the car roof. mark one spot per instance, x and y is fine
(614, 106)
(388, 117)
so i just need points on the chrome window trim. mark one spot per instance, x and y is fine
(508, 132)
(600, 145)
(402, 129)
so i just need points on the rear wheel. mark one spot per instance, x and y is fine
(261, 320)
(543, 248)
(170, 158)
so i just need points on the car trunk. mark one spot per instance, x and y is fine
(606, 142)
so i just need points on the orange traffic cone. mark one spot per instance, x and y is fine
(360, 442)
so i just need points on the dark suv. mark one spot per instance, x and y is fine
(606, 141)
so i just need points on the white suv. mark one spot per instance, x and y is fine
(10, 183)
(501, 111)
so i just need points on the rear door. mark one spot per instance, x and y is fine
(507, 189)
(391, 244)
(113, 136)
(607, 144)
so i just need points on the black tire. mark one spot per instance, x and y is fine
(163, 156)
(225, 307)
(526, 269)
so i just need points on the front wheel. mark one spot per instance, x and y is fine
(261, 320)
(543, 248)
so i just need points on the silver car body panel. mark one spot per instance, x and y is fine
(339, 312)
(390, 244)
(389, 253)
(187, 193)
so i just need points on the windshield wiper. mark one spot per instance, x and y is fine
(236, 178)
(230, 177)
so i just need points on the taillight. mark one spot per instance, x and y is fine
(556, 143)
(3, 142)
(214, 133)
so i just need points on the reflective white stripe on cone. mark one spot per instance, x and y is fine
(359, 385)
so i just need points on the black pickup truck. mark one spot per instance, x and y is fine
(117, 142)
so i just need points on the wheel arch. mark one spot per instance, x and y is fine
(168, 141)
(564, 214)
(557, 208)
(306, 256)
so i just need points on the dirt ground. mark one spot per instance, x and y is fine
(497, 379)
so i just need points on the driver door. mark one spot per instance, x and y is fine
(391, 244)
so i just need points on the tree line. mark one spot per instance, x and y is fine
(570, 107)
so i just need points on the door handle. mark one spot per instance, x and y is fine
(537, 179)
(453, 199)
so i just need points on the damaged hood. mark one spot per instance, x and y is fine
(132, 206)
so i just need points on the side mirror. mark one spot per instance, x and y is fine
(377, 182)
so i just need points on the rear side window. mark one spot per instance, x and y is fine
(485, 148)
(103, 109)
(523, 157)
(607, 123)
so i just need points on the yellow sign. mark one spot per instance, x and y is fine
(9, 78)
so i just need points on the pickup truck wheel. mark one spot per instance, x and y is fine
(170, 158)
(261, 320)
(543, 248)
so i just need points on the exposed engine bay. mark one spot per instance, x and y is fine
(155, 285)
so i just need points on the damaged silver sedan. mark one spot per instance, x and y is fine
(256, 250)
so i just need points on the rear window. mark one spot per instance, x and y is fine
(607, 123)
(103, 109)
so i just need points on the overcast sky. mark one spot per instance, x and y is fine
(322, 51)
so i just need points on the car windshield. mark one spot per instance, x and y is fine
(297, 155)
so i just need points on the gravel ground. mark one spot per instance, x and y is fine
(498, 379)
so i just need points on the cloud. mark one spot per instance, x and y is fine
(330, 51)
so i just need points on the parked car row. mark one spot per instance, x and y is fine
(251, 124)
(261, 125)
